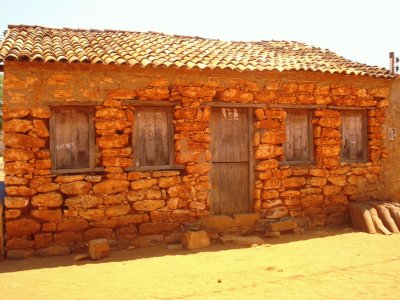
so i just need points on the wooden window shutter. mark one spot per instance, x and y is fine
(354, 136)
(154, 136)
(298, 145)
(72, 137)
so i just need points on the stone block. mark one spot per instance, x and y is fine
(43, 240)
(126, 232)
(22, 141)
(55, 250)
(12, 214)
(197, 205)
(83, 201)
(40, 128)
(9, 114)
(21, 227)
(195, 240)
(92, 214)
(245, 219)
(316, 181)
(18, 154)
(51, 199)
(273, 137)
(76, 188)
(15, 180)
(330, 190)
(168, 181)
(67, 237)
(269, 194)
(148, 240)
(329, 122)
(18, 243)
(201, 137)
(109, 187)
(17, 125)
(157, 228)
(199, 168)
(40, 112)
(16, 202)
(339, 180)
(292, 182)
(19, 191)
(197, 92)
(284, 225)
(267, 165)
(277, 212)
(143, 183)
(119, 210)
(124, 152)
(266, 151)
(382, 92)
(148, 205)
(156, 94)
(98, 248)
(20, 253)
(312, 200)
(18, 167)
(94, 233)
(113, 141)
(190, 126)
(49, 215)
(72, 224)
(69, 178)
(47, 187)
(242, 240)
(183, 191)
(217, 223)
(269, 124)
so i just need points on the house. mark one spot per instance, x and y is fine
(134, 136)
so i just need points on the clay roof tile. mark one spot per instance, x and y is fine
(36, 43)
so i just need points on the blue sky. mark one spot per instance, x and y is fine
(364, 31)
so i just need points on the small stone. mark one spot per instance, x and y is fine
(242, 240)
(272, 234)
(80, 257)
(289, 224)
(195, 240)
(99, 248)
(174, 247)
(148, 240)
(55, 250)
(19, 253)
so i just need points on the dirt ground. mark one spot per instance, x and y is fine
(323, 264)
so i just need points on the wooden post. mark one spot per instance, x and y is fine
(391, 64)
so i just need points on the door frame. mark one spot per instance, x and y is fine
(250, 114)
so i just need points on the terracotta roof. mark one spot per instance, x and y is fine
(36, 43)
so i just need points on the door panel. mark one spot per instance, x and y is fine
(230, 161)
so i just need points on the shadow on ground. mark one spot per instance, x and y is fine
(8, 265)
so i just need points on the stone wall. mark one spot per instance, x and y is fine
(389, 188)
(50, 214)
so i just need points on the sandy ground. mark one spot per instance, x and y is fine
(324, 264)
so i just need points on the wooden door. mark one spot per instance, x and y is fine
(230, 174)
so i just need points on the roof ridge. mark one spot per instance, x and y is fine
(11, 26)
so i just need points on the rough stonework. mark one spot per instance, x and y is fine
(46, 209)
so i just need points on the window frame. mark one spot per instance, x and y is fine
(92, 167)
(364, 135)
(170, 137)
(310, 139)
